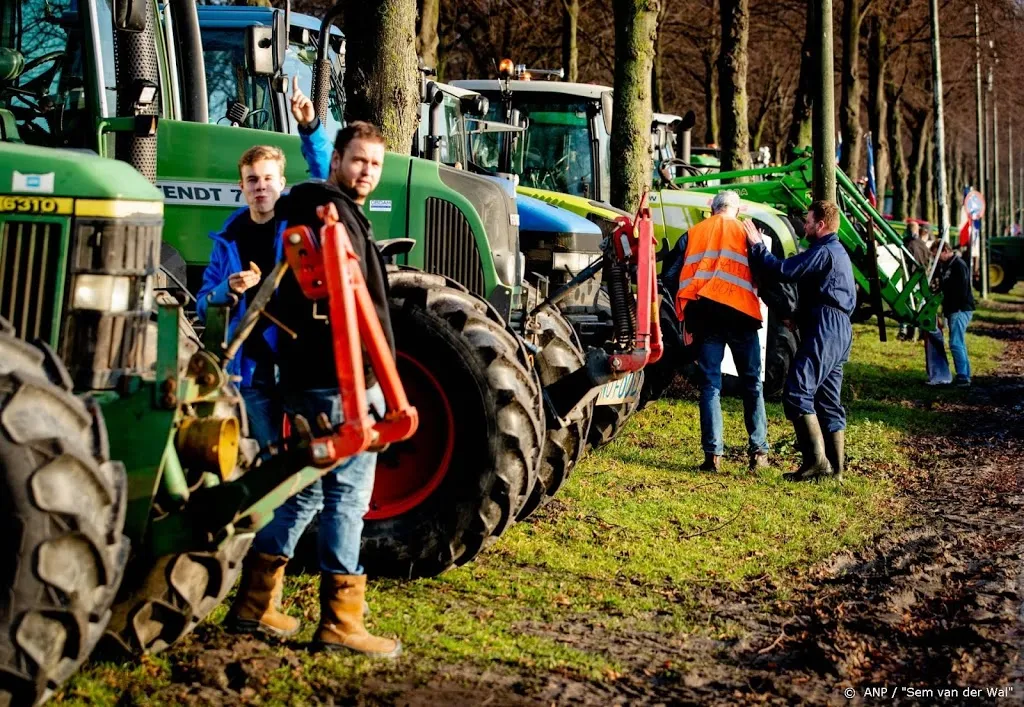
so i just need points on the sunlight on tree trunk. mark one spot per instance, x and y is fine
(801, 128)
(849, 101)
(381, 81)
(427, 40)
(711, 99)
(570, 52)
(918, 156)
(732, 84)
(877, 104)
(894, 123)
(635, 28)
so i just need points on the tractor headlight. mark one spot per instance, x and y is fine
(102, 293)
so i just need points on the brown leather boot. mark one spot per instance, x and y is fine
(341, 619)
(758, 460)
(256, 608)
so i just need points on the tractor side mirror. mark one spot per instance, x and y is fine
(475, 105)
(130, 15)
(606, 110)
(260, 53)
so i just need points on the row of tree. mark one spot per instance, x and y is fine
(745, 66)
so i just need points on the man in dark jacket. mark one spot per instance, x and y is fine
(827, 297)
(309, 385)
(957, 307)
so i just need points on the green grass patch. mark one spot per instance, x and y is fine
(636, 542)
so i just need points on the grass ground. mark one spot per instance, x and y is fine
(636, 542)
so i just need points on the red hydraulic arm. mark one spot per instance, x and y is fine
(331, 269)
(634, 243)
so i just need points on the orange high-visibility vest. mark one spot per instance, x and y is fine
(716, 267)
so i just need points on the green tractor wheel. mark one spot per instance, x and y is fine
(162, 599)
(560, 354)
(62, 505)
(448, 492)
(1001, 278)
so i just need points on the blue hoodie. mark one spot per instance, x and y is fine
(225, 260)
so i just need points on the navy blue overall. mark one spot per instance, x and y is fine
(827, 297)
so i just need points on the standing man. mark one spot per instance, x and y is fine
(957, 307)
(717, 303)
(244, 249)
(309, 383)
(828, 295)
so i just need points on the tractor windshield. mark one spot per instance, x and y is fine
(43, 96)
(451, 130)
(228, 81)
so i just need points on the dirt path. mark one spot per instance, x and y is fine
(933, 604)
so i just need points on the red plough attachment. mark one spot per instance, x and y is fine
(330, 269)
(634, 243)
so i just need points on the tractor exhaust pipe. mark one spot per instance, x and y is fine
(320, 92)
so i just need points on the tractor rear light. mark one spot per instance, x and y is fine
(102, 293)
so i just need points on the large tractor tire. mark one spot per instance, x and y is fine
(1001, 278)
(610, 420)
(450, 491)
(560, 354)
(162, 599)
(659, 376)
(779, 355)
(62, 506)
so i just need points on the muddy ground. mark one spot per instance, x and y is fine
(932, 604)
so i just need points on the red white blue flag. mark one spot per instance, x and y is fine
(872, 187)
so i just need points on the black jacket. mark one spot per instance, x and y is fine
(955, 280)
(308, 361)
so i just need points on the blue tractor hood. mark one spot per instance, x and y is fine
(548, 227)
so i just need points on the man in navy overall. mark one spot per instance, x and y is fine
(827, 297)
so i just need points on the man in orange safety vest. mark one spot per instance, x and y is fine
(718, 305)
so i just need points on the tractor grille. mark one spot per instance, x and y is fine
(450, 246)
(29, 273)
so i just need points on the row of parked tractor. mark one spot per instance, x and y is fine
(526, 309)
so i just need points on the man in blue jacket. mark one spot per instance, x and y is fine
(827, 297)
(248, 246)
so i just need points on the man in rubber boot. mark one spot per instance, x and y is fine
(309, 383)
(717, 303)
(827, 297)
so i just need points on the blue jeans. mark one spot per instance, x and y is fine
(746, 353)
(263, 409)
(342, 495)
(958, 322)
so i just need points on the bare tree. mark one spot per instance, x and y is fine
(920, 129)
(877, 104)
(426, 40)
(849, 100)
(732, 84)
(635, 28)
(898, 162)
(570, 52)
(800, 128)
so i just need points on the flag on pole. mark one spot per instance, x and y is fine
(839, 146)
(872, 187)
(965, 221)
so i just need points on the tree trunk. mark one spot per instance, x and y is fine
(657, 89)
(800, 128)
(711, 100)
(877, 105)
(918, 156)
(849, 101)
(894, 123)
(635, 28)
(381, 81)
(732, 84)
(570, 53)
(928, 194)
(427, 40)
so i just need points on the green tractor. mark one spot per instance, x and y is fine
(882, 266)
(130, 494)
(444, 495)
(564, 158)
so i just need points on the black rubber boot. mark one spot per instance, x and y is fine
(812, 446)
(835, 450)
(712, 462)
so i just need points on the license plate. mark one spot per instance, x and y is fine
(626, 389)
